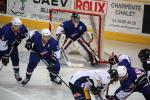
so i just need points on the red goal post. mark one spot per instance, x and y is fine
(99, 32)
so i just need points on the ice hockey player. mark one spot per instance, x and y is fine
(84, 83)
(46, 48)
(144, 56)
(71, 35)
(11, 37)
(131, 79)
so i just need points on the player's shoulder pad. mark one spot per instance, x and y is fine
(24, 29)
(6, 27)
(54, 41)
(81, 23)
(33, 33)
(124, 62)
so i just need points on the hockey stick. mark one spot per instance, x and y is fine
(110, 67)
(100, 97)
(109, 82)
(48, 65)
(8, 56)
(68, 61)
(97, 93)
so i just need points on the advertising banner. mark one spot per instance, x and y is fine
(95, 6)
(3, 6)
(38, 9)
(123, 16)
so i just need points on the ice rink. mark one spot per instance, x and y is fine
(40, 87)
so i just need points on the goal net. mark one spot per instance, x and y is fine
(93, 21)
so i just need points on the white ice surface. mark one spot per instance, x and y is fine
(40, 87)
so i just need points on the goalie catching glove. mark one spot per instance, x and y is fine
(113, 60)
(5, 59)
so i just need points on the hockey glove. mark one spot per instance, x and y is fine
(96, 90)
(50, 67)
(5, 59)
(113, 60)
(16, 43)
(110, 97)
(28, 44)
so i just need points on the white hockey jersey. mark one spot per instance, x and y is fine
(96, 78)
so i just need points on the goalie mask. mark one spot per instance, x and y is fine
(144, 54)
(75, 18)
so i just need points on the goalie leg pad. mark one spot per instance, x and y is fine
(68, 45)
(90, 52)
(61, 39)
(82, 50)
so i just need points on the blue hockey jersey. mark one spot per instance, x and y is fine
(40, 47)
(10, 36)
(73, 32)
(126, 86)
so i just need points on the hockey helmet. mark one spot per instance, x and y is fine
(16, 21)
(122, 71)
(123, 56)
(113, 74)
(144, 54)
(46, 34)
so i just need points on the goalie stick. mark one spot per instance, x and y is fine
(8, 55)
(69, 63)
